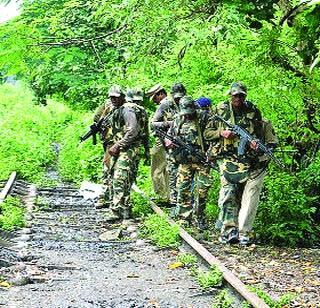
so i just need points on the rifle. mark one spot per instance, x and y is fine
(96, 128)
(178, 142)
(245, 138)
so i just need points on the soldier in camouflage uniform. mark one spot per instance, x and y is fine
(137, 99)
(178, 91)
(103, 111)
(127, 132)
(241, 177)
(189, 126)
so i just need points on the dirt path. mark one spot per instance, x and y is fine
(67, 265)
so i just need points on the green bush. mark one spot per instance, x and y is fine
(11, 214)
(27, 132)
(210, 279)
(288, 207)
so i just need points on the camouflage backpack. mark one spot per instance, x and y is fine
(118, 123)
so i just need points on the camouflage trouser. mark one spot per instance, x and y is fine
(159, 172)
(199, 176)
(123, 175)
(105, 197)
(172, 168)
(239, 202)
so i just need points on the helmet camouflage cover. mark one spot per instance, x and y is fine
(178, 90)
(129, 95)
(187, 106)
(238, 88)
(137, 94)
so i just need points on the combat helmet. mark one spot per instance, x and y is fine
(129, 95)
(203, 102)
(187, 106)
(137, 94)
(115, 91)
(238, 88)
(178, 90)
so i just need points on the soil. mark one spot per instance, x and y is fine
(276, 270)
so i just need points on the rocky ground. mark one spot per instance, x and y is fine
(73, 259)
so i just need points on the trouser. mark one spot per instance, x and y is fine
(105, 197)
(239, 202)
(159, 172)
(172, 168)
(123, 175)
(188, 175)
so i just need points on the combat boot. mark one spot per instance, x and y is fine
(112, 216)
(101, 204)
(233, 236)
(201, 223)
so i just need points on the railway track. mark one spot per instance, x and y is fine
(65, 233)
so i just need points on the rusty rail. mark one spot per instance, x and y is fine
(8, 186)
(232, 279)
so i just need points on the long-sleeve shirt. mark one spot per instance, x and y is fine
(163, 116)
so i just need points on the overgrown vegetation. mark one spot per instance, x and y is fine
(160, 232)
(187, 259)
(73, 50)
(283, 301)
(11, 214)
(222, 300)
(209, 279)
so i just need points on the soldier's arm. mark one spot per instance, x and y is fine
(99, 113)
(212, 131)
(157, 120)
(131, 127)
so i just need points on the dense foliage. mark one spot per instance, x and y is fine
(11, 214)
(73, 50)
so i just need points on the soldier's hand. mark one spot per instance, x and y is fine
(168, 143)
(228, 134)
(114, 150)
(253, 145)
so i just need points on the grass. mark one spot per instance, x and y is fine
(12, 214)
(160, 232)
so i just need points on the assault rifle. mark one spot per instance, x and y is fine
(94, 129)
(178, 142)
(245, 138)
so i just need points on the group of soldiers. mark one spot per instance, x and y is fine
(190, 141)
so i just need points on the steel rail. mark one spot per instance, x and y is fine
(232, 279)
(8, 186)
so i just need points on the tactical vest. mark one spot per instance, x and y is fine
(235, 169)
(191, 133)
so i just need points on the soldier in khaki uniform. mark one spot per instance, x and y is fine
(163, 166)
(127, 133)
(188, 126)
(241, 177)
(137, 99)
(160, 120)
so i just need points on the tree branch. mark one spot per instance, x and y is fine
(80, 41)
